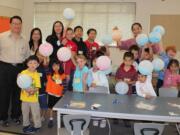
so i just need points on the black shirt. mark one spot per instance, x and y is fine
(81, 47)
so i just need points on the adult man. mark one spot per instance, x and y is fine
(13, 52)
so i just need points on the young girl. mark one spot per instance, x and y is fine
(172, 76)
(42, 70)
(54, 88)
(144, 87)
(96, 77)
(80, 75)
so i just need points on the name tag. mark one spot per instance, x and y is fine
(94, 48)
(58, 43)
(80, 52)
(77, 80)
(40, 74)
(58, 81)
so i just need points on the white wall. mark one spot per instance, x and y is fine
(11, 7)
(144, 9)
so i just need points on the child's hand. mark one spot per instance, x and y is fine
(64, 41)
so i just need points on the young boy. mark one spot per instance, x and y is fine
(29, 97)
(144, 87)
(80, 75)
(126, 72)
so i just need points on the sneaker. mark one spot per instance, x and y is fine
(50, 124)
(103, 123)
(17, 121)
(95, 123)
(29, 129)
(5, 123)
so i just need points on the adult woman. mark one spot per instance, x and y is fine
(35, 40)
(55, 38)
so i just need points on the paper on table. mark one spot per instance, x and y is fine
(174, 105)
(77, 104)
(173, 114)
(145, 106)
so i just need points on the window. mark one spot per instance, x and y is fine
(101, 16)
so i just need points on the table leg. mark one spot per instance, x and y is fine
(58, 122)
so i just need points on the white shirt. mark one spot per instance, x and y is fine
(145, 88)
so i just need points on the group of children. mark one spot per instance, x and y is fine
(52, 78)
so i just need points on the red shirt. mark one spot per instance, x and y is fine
(130, 74)
(69, 66)
(92, 48)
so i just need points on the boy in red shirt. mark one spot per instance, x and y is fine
(69, 66)
(126, 72)
(91, 44)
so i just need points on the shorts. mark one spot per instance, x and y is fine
(52, 100)
(43, 101)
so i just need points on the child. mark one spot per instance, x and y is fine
(134, 49)
(29, 97)
(42, 70)
(166, 56)
(126, 72)
(147, 53)
(172, 76)
(96, 77)
(144, 87)
(54, 88)
(69, 66)
(91, 44)
(80, 75)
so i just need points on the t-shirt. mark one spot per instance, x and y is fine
(98, 77)
(92, 48)
(54, 85)
(131, 74)
(171, 80)
(68, 65)
(25, 97)
(78, 78)
(81, 47)
(145, 88)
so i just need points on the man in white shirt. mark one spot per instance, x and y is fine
(13, 51)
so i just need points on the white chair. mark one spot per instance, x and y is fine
(148, 128)
(76, 124)
(168, 92)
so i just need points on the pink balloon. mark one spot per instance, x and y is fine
(103, 62)
(64, 54)
(46, 49)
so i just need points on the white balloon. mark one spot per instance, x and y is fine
(24, 81)
(160, 29)
(107, 39)
(142, 39)
(158, 64)
(69, 13)
(46, 49)
(64, 54)
(122, 88)
(145, 67)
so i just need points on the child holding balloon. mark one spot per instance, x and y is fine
(54, 87)
(126, 72)
(29, 97)
(144, 87)
(80, 75)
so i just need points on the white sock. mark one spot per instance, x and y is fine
(51, 118)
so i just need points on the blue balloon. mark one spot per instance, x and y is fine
(159, 29)
(107, 39)
(24, 81)
(145, 67)
(154, 37)
(122, 88)
(142, 39)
